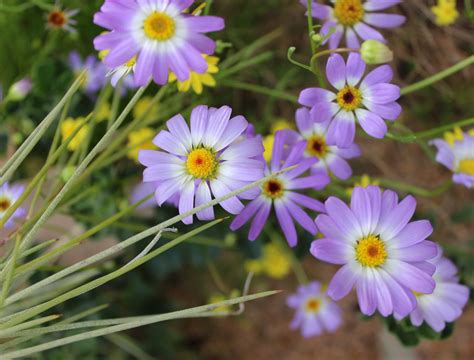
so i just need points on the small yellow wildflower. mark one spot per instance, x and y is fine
(67, 128)
(268, 146)
(279, 124)
(197, 81)
(274, 263)
(445, 12)
(365, 181)
(140, 140)
(141, 107)
(103, 113)
(215, 298)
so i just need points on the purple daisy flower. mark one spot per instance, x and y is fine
(369, 100)
(95, 76)
(210, 159)
(159, 35)
(280, 191)
(332, 159)
(446, 302)
(384, 256)
(354, 19)
(458, 157)
(144, 189)
(8, 196)
(315, 312)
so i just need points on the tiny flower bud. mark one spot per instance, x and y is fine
(317, 38)
(375, 52)
(19, 90)
(67, 173)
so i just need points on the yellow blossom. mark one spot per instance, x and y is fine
(68, 126)
(452, 136)
(215, 298)
(268, 146)
(274, 263)
(445, 12)
(140, 140)
(364, 181)
(141, 107)
(197, 81)
(279, 124)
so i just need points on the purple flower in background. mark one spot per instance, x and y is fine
(280, 192)
(354, 19)
(95, 72)
(446, 302)
(384, 256)
(209, 159)
(332, 159)
(159, 35)
(20, 89)
(315, 312)
(458, 156)
(368, 101)
(8, 196)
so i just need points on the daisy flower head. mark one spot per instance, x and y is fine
(159, 34)
(9, 194)
(281, 192)
(446, 302)
(196, 80)
(458, 156)
(384, 255)
(332, 159)
(354, 20)
(62, 19)
(315, 312)
(210, 158)
(95, 72)
(367, 100)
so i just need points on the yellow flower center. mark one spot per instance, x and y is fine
(159, 26)
(349, 98)
(348, 12)
(316, 146)
(201, 163)
(312, 305)
(273, 189)
(4, 204)
(131, 62)
(466, 166)
(370, 251)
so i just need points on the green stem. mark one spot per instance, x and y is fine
(259, 89)
(414, 189)
(429, 134)
(332, 51)
(289, 55)
(294, 261)
(438, 77)
(310, 26)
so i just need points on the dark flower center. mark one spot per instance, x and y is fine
(56, 18)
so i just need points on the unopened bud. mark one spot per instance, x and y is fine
(19, 90)
(67, 172)
(375, 52)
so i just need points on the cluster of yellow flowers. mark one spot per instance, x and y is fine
(197, 81)
(68, 126)
(274, 263)
(445, 12)
(364, 181)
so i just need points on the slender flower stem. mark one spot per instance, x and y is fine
(429, 134)
(438, 77)
(332, 51)
(310, 26)
(289, 55)
(260, 90)
(415, 190)
(295, 263)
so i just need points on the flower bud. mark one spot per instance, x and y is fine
(19, 90)
(67, 172)
(375, 52)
